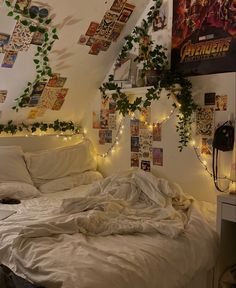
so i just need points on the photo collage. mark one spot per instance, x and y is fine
(100, 35)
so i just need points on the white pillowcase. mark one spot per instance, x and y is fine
(70, 182)
(12, 165)
(18, 190)
(48, 165)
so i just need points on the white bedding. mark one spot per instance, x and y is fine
(72, 259)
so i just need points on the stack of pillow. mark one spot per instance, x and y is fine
(27, 175)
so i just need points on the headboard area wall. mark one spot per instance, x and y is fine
(34, 143)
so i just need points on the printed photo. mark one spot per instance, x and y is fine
(126, 13)
(92, 29)
(38, 38)
(90, 41)
(134, 127)
(21, 38)
(38, 88)
(134, 144)
(145, 115)
(106, 25)
(49, 97)
(9, 59)
(118, 5)
(146, 165)
(34, 100)
(116, 30)
(4, 39)
(95, 48)
(58, 104)
(96, 119)
(52, 82)
(3, 95)
(221, 102)
(104, 117)
(112, 122)
(112, 105)
(205, 147)
(160, 20)
(156, 132)
(102, 137)
(210, 99)
(105, 45)
(205, 118)
(108, 136)
(134, 159)
(157, 156)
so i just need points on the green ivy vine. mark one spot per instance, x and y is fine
(153, 57)
(35, 23)
(57, 126)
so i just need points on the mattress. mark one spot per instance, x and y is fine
(118, 261)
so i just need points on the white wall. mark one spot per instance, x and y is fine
(182, 167)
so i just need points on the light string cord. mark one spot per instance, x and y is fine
(204, 164)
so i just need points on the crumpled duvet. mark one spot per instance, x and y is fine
(135, 202)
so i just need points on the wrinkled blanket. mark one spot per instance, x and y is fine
(121, 204)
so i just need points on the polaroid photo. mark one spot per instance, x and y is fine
(118, 5)
(4, 39)
(205, 118)
(146, 165)
(3, 96)
(9, 59)
(134, 159)
(157, 156)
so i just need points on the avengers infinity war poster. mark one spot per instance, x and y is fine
(204, 36)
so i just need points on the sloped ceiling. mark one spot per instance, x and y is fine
(84, 72)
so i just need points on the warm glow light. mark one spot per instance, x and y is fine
(204, 162)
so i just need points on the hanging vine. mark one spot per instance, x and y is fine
(153, 57)
(36, 23)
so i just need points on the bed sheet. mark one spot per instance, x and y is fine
(118, 261)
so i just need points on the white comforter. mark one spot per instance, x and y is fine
(44, 240)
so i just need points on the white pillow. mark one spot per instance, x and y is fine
(70, 182)
(12, 165)
(18, 190)
(52, 164)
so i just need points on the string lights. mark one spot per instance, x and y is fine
(204, 163)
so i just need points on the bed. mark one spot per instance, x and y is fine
(68, 233)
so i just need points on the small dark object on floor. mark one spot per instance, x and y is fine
(8, 279)
(8, 200)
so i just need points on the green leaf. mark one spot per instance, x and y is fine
(55, 37)
(24, 22)
(36, 61)
(10, 13)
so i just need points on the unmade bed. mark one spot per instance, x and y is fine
(127, 230)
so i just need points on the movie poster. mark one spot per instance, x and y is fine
(204, 36)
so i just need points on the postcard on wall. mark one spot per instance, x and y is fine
(112, 122)
(156, 132)
(157, 156)
(126, 13)
(21, 6)
(205, 121)
(96, 119)
(145, 143)
(38, 88)
(108, 136)
(210, 99)
(146, 165)
(48, 97)
(38, 38)
(102, 137)
(106, 25)
(58, 104)
(105, 103)
(21, 38)
(134, 127)
(92, 28)
(95, 48)
(104, 117)
(116, 30)
(134, 144)
(3, 95)
(221, 103)
(118, 5)
(160, 20)
(83, 39)
(52, 82)
(205, 147)
(4, 39)
(34, 100)
(134, 159)
(33, 114)
(90, 41)
(9, 59)
(105, 44)
(145, 115)
(112, 105)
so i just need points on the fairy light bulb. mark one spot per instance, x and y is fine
(204, 162)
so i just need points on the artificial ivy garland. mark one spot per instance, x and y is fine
(36, 23)
(153, 57)
(56, 126)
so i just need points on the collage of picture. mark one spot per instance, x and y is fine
(47, 95)
(205, 119)
(105, 120)
(100, 35)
